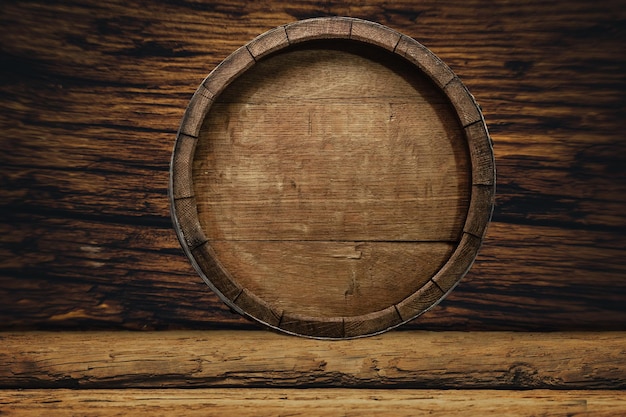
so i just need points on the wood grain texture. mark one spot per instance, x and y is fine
(339, 144)
(91, 96)
(412, 359)
(311, 402)
(321, 277)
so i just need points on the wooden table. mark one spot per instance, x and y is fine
(91, 96)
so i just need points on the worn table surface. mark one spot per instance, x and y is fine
(311, 402)
(253, 359)
(92, 93)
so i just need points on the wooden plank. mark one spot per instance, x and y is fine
(502, 360)
(92, 94)
(135, 272)
(311, 402)
(374, 154)
(62, 272)
(321, 277)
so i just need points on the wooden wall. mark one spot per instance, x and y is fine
(91, 96)
(92, 93)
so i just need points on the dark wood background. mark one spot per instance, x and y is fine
(91, 95)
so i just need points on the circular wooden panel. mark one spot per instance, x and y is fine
(332, 178)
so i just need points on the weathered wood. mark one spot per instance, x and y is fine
(338, 146)
(138, 278)
(477, 360)
(321, 277)
(91, 95)
(311, 402)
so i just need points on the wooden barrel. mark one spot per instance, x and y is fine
(332, 178)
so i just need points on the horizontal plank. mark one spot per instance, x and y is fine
(346, 72)
(332, 278)
(91, 273)
(311, 402)
(339, 169)
(502, 360)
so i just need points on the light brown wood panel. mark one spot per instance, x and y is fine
(341, 145)
(311, 402)
(411, 359)
(332, 278)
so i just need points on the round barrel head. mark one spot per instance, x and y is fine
(332, 178)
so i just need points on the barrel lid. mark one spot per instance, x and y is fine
(332, 178)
